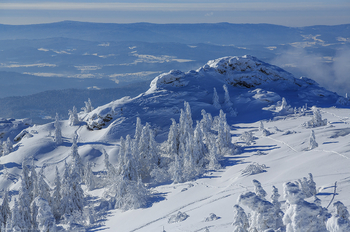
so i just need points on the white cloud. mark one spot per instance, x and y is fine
(250, 6)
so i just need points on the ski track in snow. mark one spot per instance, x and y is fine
(280, 141)
(332, 152)
(343, 119)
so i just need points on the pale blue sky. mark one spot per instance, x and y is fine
(288, 13)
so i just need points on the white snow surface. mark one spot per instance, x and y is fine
(286, 155)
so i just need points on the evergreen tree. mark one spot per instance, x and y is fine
(76, 192)
(279, 214)
(73, 117)
(176, 169)
(111, 172)
(25, 198)
(89, 177)
(258, 189)
(34, 214)
(56, 196)
(138, 129)
(240, 220)
(7, 147)
(312, 144)
(129, 170)
(58, 133)
(33, 188)
(43, 187)
(216, 102)
(76, 159)
(228, 102)
(66, 192)
(339, 222)
(45, 218)
(17, 222)
(5, 208)
(88, 106)
(173, 139)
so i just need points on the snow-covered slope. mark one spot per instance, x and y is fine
(256, 91)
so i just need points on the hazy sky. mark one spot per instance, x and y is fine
(286, 12)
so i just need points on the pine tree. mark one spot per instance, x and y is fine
(173, 139)
(45, 218)
(258, 189)
(228, 102)
(279, 214)
(89, 177)
(240, 220)
(73, 117)
(43, 187)
(34, 214)
(129, 170)
(138, 129)
(33, 182)
(5, 208)
(88, 106)
(111, 172)
(58, 133)
(76, 159)
(56, 196)
(66, 192)
(24, 206)
(7, 147)
(17, 222)
(216, 102)
(76, 192)
(339, 222)
(312, 144)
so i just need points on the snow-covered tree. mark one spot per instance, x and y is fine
(34, 213)
(279, 214)
(176, 169)
(339, 222)
(148, 155)
(76, 159)
(73, 117)
(214, 154)
(312, 185)
(216, 102)
(33, 187)
(25, 198)
(5, 208)
(258, 189)
(56, 196)
(88, 106)
(312, 141)
(284, 108)
(138, 129)
(224, 137)
(76, 192)
(240, 220)
(261, 126)
(263, 215)
(173, 139)
(66, 192)
(90, 181)
(7, 147)
(45, 218)
(316, 120)
(301, 215)
(17, 222)
(110, 169)
(43, 187)
(58, 133)
(228, 103)
(247, 137)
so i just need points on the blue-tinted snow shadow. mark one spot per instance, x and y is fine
(228, 161)
(262, 148)
(155, 198)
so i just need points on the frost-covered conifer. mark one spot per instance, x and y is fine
(263, 215)
(206, 122)
(279, 214)
(188, 115)
(312, 185)
(111, 171)
(339, 222)
(34, 213)
(261, 126)
(73, 117)
(90, 181)
(58, 133)
(88, 106)
(247, 137)
(129, 169)
(76, 159)
(224, 137)
(56, 196)
(33, 182)
(24, 206)
(173, 139)
(138, 129)
(213, 154)
(240, 220)
(43, 187)
(312, 144)
(45, 218)
(301, 215)
(77, 192)
(5, 208)
(216, 102)
(199, 146)
(228, 102)
(66, 192)
(316, 120)
(190, 168)
(258, 189)
(17, 222)
(176, 169)
(7, 147)
(148, 154)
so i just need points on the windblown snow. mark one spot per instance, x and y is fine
(236, 145)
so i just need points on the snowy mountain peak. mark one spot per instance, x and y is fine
(244, 71)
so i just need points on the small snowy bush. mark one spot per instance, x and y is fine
(179, 217)
(253, 169)
(247, 137)
(339, 222)
(212, 217)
